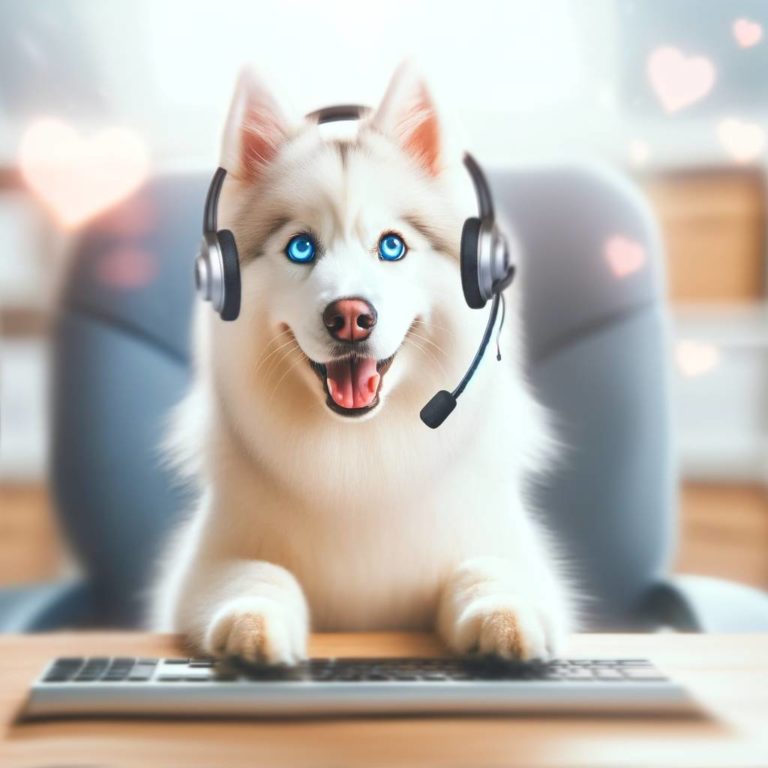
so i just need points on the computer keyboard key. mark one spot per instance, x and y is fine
(122, 663)
(69, 661)
(63, 669)
(643, 673)
(57, 677)
(198, 673)
(93, 669)
(141, 672)
(580, 673)
(608, 674)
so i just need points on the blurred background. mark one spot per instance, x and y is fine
(97, 95)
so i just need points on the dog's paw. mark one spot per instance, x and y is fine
(504, 626)
(259, 630)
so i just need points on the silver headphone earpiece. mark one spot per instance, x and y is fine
(502, 266)
(209, 272)
(493, 260)
(217, 266)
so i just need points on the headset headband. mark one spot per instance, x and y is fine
(212, 201)
(338, 112)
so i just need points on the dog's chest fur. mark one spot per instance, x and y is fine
(372, 530)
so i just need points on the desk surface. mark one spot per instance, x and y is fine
(728, 674)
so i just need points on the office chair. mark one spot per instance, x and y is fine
(596, 354)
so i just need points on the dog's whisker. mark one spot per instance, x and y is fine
(438, 376)
(429, 341)
(298, 360)
(432, 324)
(275, 366)
(276, 339)
(428, 352)
(274, 352)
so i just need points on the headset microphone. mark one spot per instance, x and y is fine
(486, 270)
(440, 407)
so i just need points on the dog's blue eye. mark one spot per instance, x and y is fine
(301, 249)
(391, 248)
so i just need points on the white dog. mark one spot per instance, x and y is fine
(324, 500)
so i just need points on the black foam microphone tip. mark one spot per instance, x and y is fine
(438, 409)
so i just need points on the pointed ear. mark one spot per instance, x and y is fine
(407, 114)
(254, 130)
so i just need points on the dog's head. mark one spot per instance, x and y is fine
(348, 249)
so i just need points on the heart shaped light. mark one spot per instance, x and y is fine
(747, 33)
(638, 152)
(624, 256)
(743, 141)
(75, 177)
(695, 358)
(679, 80)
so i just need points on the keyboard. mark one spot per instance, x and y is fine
(204, 687)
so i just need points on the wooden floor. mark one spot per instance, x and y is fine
(723, 532)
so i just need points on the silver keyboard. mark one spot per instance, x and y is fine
(203, 687)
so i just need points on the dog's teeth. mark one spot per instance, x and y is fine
(373, 384)
(329, 383)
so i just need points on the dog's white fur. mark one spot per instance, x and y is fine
(364, 523)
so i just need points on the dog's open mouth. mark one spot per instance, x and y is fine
(352, 383)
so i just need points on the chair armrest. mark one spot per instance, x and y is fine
(39, 607)
(706, 604)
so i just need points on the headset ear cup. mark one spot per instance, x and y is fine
(229, 257)
(470, 235)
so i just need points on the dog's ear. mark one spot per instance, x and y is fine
(407, 114)
(255, 128)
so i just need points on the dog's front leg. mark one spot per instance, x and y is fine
(250, 609)
(490, 605)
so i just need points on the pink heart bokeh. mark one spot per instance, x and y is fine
(743, 141)
(127, 267)
(76, 177)
(624, 256)
(679, 80)
(747, 33)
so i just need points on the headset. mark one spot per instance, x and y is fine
(486, 262)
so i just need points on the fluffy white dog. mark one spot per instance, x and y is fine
(323, 499)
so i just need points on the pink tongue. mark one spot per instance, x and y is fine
(353, 383)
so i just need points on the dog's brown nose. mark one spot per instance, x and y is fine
(349, 319)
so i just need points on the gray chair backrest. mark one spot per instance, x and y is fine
(596, 357)
(595, 323)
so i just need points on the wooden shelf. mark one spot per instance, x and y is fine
(713, 226)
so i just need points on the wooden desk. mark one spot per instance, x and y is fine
(729, 674)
